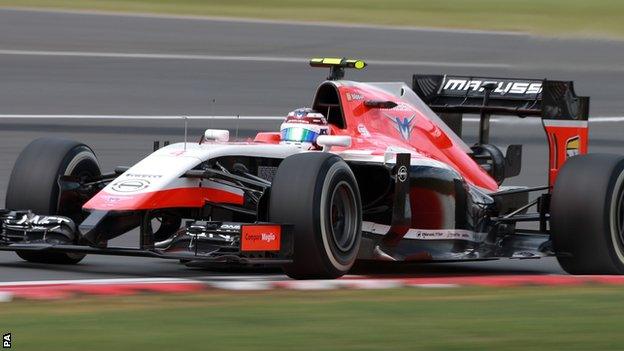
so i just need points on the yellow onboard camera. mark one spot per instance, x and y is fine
(337, 65)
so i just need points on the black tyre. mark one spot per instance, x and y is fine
(34, 185)
(587, 215)
(496, 160)
(318, 194)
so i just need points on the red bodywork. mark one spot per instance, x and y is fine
(194, 197)
(376, 129)
(566, 138)
(423, 134)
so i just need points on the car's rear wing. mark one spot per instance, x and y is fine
(564, 114)
(551, 99)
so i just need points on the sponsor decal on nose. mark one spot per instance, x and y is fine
(130, 185)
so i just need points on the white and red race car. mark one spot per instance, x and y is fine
(392, 180)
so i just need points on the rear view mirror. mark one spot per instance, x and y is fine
(327, 141)
(222, 135)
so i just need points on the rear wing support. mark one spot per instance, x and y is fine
(564, 114)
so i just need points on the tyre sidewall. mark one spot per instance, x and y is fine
(616, 189)
(338, 173)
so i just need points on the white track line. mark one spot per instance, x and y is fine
(241, 285)
(285, 59)
(606, 119)
(261, 21)
(277, 59)
(614, 119)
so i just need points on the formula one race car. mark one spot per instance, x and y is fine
(372, 171)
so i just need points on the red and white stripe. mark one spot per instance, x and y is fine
(63, 289)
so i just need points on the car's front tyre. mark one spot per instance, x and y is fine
(34, 185)
(317, 193)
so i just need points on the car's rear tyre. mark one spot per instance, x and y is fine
(317, 193)
(34, 185)
(587, 215)
(495, 160)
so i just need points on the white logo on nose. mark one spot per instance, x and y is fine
(130, 185)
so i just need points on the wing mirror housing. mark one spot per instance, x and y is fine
(328, 141)
(382, 104)
(222, 135)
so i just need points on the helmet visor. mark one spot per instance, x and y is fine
(299, 134)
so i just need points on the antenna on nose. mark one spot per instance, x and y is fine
(185, 131)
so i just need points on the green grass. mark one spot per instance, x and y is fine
(531, 318)
(550, 17)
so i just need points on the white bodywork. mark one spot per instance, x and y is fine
(164, 168)
(157, 181)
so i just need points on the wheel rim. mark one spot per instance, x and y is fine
(343, 217)
(83, 170)
(620, 216)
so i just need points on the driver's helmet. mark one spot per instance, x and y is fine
(302, 126)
